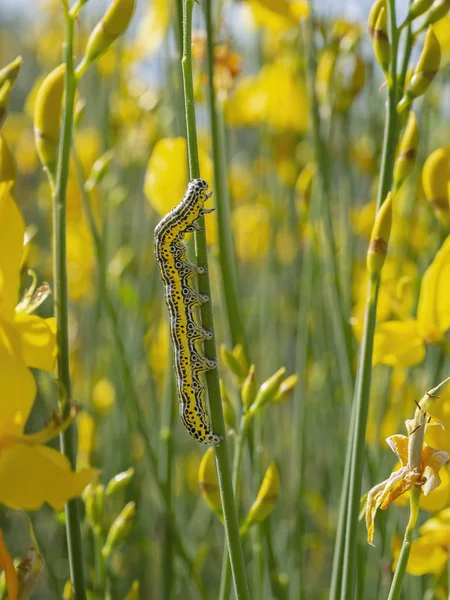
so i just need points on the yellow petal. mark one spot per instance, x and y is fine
(153, 28)
(425, 557)
(398, 344)
(11, 248)
(18, 386)
(207, 480)
(399, 445)
(167, 176)
(38, 341)
(442, 31)
(435, 501)
(278, 15)
(433, 310)
(267, 496)
(32, 475)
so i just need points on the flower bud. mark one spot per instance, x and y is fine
(133, 592)
(437, 11)
(303, 187)
(417, 8)
(10, 72)
(108, 29)
(325, 72)
(249, 389)
(373, 16)
(7, 162)
(239, 354)
(119, 482)
(207, 480)
(435, 178)
(232, 363)
(265, 501)
(4, 98)
(47, 117)
(286, 388)
(120, 529)
(378, 245)
(425, 72)
(407, 151)
(229, 414)
(94, 502)
(267, 391)
(380, 41)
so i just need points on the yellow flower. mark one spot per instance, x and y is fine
(153, 28)
(279, 15)
(419, 464)
(252, 229)
(167, 175)
(402, 343)
(442, 31)
(276, 96)
(30, 473)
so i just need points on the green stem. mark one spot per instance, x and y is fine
(212, 376)
(364, 372)
(396, 586)
(68, 438)
(358, 438)
(227, 259)
(225, 581)
(100, 566)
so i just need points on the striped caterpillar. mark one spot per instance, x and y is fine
(182, 301)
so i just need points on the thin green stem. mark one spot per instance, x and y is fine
(396, 586)
(212, 376)
(358, 438)
(227, 259)
(100, 565)
(68, 438)
(364, 373)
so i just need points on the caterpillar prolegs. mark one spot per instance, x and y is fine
(182, 301)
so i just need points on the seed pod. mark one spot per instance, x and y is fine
(47, 117)
(108, 29)
(437, 11)
(7, 162)
(120, 529)
(425, 72)
(435, 181)
(407, 151)
(380, 41)
(379, 240)
(207, 480)
(265, 501)
(267, 391)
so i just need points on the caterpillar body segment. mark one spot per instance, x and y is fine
(182, 300)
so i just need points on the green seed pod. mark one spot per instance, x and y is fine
(380, 41)
(417, 8)
(7, 162)
(267, 391)
(113, 24)
(8, 76)
(379, 240)
(120, 529)
(119, 482)
(407, 151)
(425, 72)
(47, 118)
(94, 502)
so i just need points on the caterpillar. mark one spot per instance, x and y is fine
(182, 300)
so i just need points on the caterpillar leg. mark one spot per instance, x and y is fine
(196, 333)
(200, 364)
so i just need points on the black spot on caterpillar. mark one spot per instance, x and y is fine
(182, 299)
